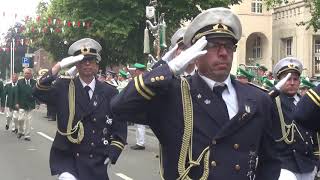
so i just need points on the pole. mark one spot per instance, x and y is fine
(13, 43)
(11, 60)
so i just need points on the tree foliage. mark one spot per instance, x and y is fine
(117, 24)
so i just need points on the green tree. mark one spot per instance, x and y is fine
(117, 24)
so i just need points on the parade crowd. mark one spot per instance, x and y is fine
(211, 124)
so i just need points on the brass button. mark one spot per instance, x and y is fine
(214, 141)
(93, 131)
(77, 154)
(91, 155)
(306, 152)
(94, 120)
(152, 80)
(307, 143)
(307, 132)
(294, 150)
(92, 144)
(161, 78)
(157, 78)
(213, 164)
(237, 167)
(236, 146)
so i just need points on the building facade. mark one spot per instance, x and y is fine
(269, 36)
(41, 60)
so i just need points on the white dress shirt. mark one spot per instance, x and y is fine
(92, 85)
(229, 95)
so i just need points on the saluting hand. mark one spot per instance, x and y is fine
(180, 63)
(65, 62)
(282, 82)
(170, 54)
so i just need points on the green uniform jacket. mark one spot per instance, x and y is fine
(11, 92)
(2, 96)
(26, 100)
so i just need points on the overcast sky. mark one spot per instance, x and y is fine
(22, 8)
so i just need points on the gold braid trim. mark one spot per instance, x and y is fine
(286, 129)
(186, 146)
(144, 87)
(79, 126)
(136, 84)
(314, 97)
(118, 144)
(317, 153)
(41, 88)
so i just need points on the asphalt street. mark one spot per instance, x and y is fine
(23, 160)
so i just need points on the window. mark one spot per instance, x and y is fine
(256, 50)
(316, 57)
(289, 46)
(317, 46)
(256, 6)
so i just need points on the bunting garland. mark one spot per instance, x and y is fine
(52, 25)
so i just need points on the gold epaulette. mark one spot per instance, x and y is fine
(257, 86)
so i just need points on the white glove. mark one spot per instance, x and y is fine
(180, 63)
(72, 71)
(107, 162)
(70, 60)
(170, 54)
(282, 82)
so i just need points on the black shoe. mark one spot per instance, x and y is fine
(7, 127)
(15, 131)
(27, 139)
(19, 135)
(137, 147)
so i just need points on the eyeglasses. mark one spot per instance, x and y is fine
(230, 47)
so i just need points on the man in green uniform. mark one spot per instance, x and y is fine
(25, 103)
(10, 92)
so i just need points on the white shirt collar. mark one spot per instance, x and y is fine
(92, 84)
(296, 99)
(211, 83)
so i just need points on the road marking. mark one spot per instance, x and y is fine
(123, 176)
(46, 136)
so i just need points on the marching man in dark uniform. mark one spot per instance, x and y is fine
(308, 109)
(25, 103)
(88, 138)
(10, 92)
(295, 144)
(209, 126)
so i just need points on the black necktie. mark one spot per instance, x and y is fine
(217, 90)
(87, 89)
(291, 101)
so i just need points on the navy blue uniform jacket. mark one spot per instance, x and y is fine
(104, 136)
(235, 145)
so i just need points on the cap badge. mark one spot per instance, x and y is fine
(85, 50)
(199, 96)
(291, 66)
(220, 27)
